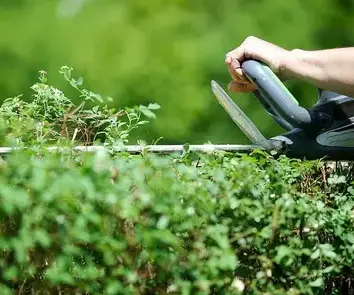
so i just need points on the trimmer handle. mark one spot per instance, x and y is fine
(276, 98)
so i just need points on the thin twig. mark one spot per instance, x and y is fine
(21, 288)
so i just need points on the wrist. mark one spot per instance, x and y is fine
(292, 63)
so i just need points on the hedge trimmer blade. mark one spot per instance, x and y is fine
(239, 117)
(136, 149)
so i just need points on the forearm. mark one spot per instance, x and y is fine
(331, 69)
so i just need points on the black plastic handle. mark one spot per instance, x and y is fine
(277, 99)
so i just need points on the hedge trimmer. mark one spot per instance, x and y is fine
(324, 131)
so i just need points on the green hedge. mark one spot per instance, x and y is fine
(105, 223)
(213, 224)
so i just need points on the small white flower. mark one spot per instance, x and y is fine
(238, 285)
(288, 203)
(242, 242)
(171, 288)
(260, 274)
(162, 223)
(145, 198)
(233, 203)
(190, 211)
(111, 199)
(60, 219)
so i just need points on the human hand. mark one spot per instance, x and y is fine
(254, 48)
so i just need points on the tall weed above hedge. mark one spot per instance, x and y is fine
(50, 117)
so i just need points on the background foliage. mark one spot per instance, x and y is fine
(108, 223)
(160, 51)
(181, 224)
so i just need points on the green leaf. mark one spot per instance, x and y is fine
(95, 109)
(328, 269)
(282, 252)
(317, 283)
(11, 273)
(146, 112)
(5, 290)
(114, 287)
(227, 261)
(315, 254)
(42, 237)
(327, 251)
(154, 106)
(79, 81)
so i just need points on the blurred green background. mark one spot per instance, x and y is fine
(141, 51)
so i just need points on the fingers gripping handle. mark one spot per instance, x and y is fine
(275, 94)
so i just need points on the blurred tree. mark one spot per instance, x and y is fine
(140, 51)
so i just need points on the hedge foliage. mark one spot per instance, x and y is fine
(218, 223)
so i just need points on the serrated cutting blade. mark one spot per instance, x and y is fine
(240, 118)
